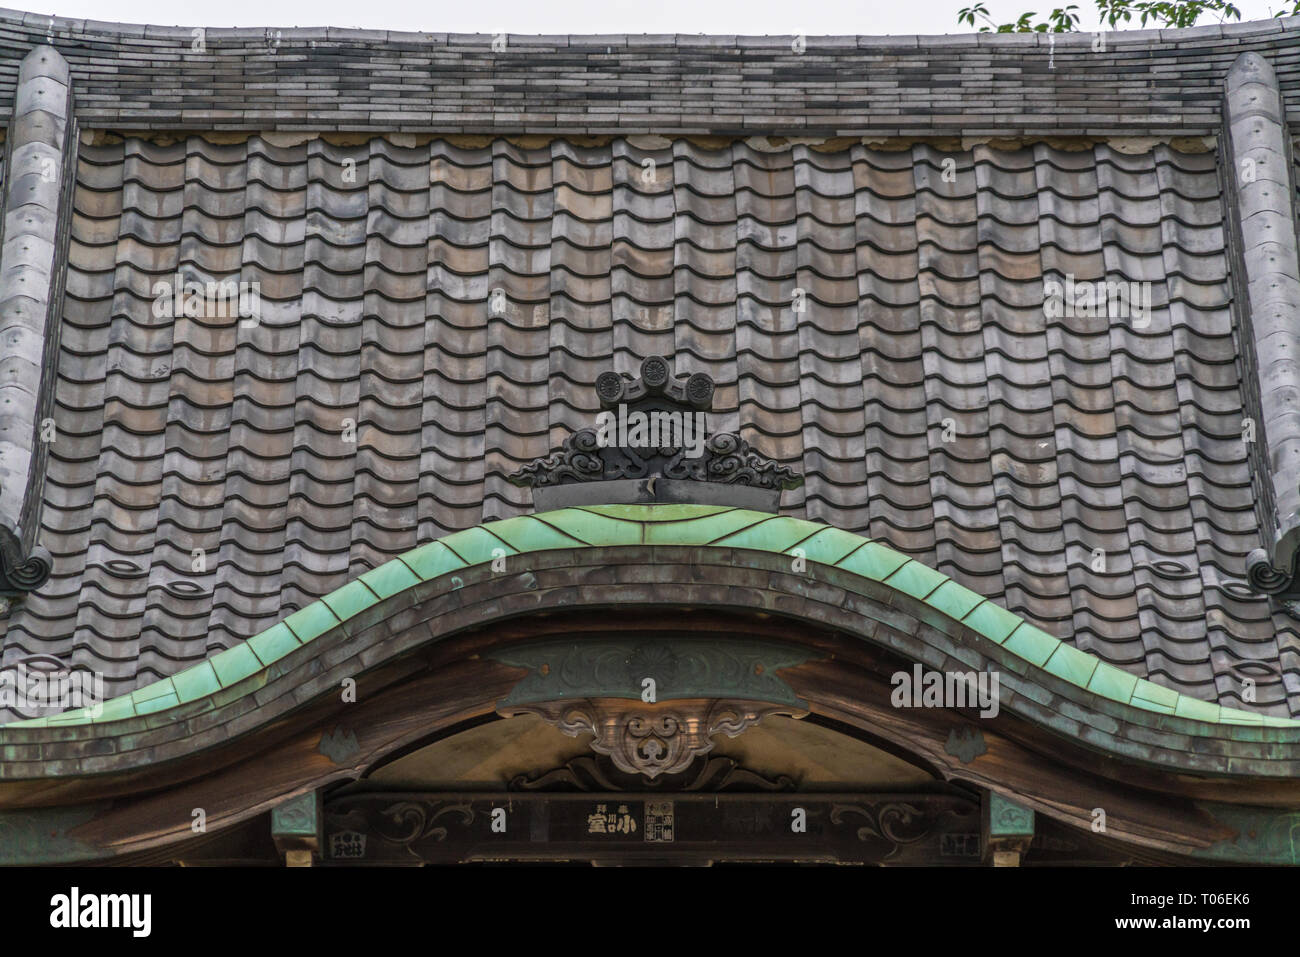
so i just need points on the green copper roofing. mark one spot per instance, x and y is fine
(666, 525)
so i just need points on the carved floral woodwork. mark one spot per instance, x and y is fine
(652, 739)
(894, 822)
(428, 827)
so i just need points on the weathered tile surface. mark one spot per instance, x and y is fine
(924, 291)
(137, 78)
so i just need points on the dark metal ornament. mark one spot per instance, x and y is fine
(622, 474)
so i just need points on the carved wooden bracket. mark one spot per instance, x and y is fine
(652, 739)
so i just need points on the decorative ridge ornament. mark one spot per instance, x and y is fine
(650, 444)
(1266, 579)
(21, 571)
(656, 379)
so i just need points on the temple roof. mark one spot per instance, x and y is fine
(271, 664)
(870, 308)
(754, 607)
(1130, 82)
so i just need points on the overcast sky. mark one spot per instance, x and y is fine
(808, 17)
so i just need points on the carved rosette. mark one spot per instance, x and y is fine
(652, 739)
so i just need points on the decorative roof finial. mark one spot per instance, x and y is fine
(651, 444)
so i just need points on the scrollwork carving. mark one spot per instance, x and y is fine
(21, 572)
(578, 459)
(1264, 578)
(896, 822)
(652, 740)
(411, 821)
(725, 459)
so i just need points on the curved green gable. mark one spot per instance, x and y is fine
(662, 525)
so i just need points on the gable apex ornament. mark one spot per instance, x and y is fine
(656, 379)
(650, 444)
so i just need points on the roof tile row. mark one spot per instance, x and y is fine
(212, 476)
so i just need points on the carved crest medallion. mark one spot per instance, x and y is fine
(652, 739)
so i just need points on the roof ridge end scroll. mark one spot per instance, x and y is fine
(40, 157)
(1259, 187)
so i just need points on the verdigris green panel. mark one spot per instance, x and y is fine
(312, 621)
(297, 817)
(702, 530)
(1263, 835)
(157, 689)
(774, 535)
(1032, 644)
(592, 528)
(527, 534)
(390, 578)
(235, 664)
(1071, 664)
(41, 835)
(1146, 705)
(829, 546)
(432, 560)
(1196, 709)
(1006, 818)
(916, 579)
(40, 722)
(955, 601)
(191, 684)
(476, 545)
(115, 709)
(681, 668)
(274, 643)
(1154, 697)
(159, 703)
(352, 598)
(874, 561)
(1111, 682)
(992, 621)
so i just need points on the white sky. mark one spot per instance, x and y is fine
(808, 17)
